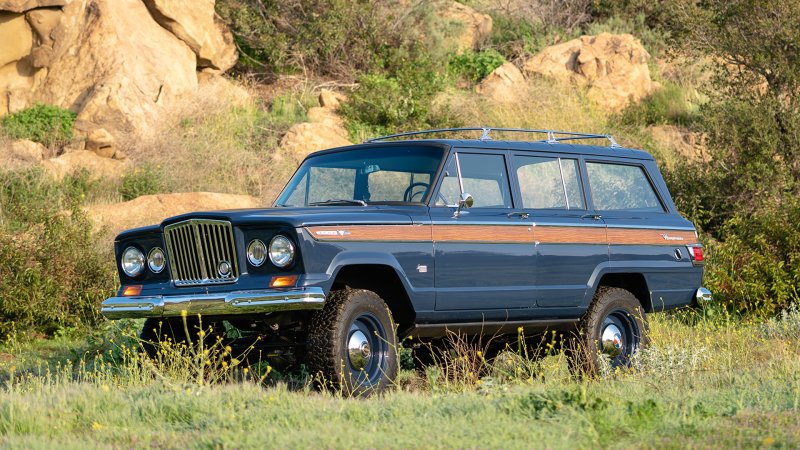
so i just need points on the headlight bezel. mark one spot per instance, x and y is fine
(150, 260)
(140, 257)
(249, 252)
(281, 263)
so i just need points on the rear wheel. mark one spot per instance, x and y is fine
(613, 329)
(352, 343)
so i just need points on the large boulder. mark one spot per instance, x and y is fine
(195, 23)
(20, 6)
(325, 129)
(22, 153)
(305, 138)
(474, 26)
(97, 166)
(612, 67)
(115, 66)
(504, 84)
(152, 209)
(116, 63)
(16, 71)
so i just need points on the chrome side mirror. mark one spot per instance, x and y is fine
(466, 202)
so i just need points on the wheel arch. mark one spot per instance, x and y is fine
(633, 282)
(384, 280)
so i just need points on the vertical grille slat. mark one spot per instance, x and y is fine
(195, 250)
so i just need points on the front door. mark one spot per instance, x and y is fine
(484, 254)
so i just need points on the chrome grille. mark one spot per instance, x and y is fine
(196, 249)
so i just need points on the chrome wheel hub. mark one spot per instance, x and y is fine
(611, 341)
(358, 350)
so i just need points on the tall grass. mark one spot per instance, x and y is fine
(708, 380)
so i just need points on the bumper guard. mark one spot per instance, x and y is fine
(221, 304)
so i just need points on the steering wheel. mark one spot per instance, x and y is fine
(408, 196)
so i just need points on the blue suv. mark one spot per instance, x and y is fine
(406, 236)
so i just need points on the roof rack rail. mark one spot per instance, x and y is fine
(553, 136)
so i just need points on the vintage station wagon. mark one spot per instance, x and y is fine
(403, 236)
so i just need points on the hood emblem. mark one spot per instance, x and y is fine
(671, 238)
(332, 233)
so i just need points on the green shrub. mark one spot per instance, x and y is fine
(475, 66)
(396, 99)
(667, 105)
(48, 125)
(52, 276)
(145, 180)
(339, 38)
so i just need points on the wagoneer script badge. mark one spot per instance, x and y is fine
(671, 238)
(333, 233)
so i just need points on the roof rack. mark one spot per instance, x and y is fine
(553, 136)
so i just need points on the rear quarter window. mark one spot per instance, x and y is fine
(620, 187)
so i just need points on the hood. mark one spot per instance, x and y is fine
(317, 215)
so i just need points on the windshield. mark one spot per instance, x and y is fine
(364, 175)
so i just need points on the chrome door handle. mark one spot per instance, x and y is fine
(592, 216)
(521, 215)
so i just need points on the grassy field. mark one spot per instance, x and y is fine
(704, 382)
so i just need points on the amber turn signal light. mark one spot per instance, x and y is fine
(131, 291)
(283, 281)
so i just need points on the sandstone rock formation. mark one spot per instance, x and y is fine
(504, 84)
(195, 23)
(476, 27)
(152, 209)
(325, 130)
(612, 67)
(117, 63)
(98, 166)
(21, 153)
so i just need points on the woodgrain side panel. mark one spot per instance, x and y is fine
(569, 235)
(503, 234)
(631, 236)
(381, 233)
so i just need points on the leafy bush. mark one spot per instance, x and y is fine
(475, 66)
(51, 274)
(398, 100)
(145, 180)
(339, 38)
(48, 125)
(667, 105)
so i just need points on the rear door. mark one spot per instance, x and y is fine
(569, 239)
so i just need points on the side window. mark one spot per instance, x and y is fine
(617, 187)
(549, 183)
(483, 176)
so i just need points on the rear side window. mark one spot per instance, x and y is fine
(549, 183)
(617, 187)
(484, 177)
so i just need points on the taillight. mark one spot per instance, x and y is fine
(696, 252)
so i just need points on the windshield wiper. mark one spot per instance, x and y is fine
(339, 200)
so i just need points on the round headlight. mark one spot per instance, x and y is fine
(281, 251)
(156, 260)
(256, 252)
(132, 261)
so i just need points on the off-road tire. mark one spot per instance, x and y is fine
(331, 330)
(583, 348)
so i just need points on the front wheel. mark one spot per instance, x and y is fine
(613, 329)
(352, 343)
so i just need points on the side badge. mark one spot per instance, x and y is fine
(422, 268)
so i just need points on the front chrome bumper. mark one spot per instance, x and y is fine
(225, 303)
